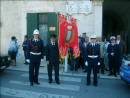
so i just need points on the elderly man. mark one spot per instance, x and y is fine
(93, 58)
(52, 58)
(113, 50)
(35, 52)
(122, 51)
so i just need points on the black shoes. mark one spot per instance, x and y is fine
(110, 74)
(57, 82)
(115, 75)
(26, 63)
(50, 81)
(95, 84)
(88, 84)
(37, 83)
(31, 84)
(85, 71)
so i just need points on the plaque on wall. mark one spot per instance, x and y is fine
(52, 28)
(83, 7)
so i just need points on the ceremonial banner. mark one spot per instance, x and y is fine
(61, 43)
(68, 36)
(74, 39)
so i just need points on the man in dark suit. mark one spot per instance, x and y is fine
(122, 51)
(81, 46)
(84, 52)
(35, 53)
(53, 58)
(93, 60)
(113, 50)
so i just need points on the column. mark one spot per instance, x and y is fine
(97, 8)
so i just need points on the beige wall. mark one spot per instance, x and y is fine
(13, 18)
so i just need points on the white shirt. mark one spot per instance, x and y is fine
(53, 43)
(118, 41)
(85, 44)
(35, 40)
(93, 44)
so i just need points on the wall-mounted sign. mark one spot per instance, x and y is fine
(79, 7)
(52, 28)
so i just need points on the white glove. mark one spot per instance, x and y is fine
(47, 62)
(112, 54)
(98, 64)
(86, 63)
(27, 60)
(41, 60)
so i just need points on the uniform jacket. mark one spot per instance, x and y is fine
(52, 53)
(25, 45)
(93, 50)
(113, 49)
(35, 47)
(122, 48)
(84, 51)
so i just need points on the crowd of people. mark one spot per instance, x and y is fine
(99, 56)
(111, 50)
(95, 55)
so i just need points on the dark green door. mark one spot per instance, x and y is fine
(52, 24)
(47, 26)
(32, 23)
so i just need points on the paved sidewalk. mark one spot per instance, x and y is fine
(43, 69)
(15, 84)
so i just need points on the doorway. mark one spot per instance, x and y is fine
(116, 20)
(47, 23)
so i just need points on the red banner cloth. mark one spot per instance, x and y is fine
(61, 43)
(68, 36)
(74, 44)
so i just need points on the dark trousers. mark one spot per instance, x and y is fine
(92, 65)
(81, 62)
(119, 62)
(50, 66)
(102, 66)
(85, 67)
(12, 55)
(26, 56)
(34, 68)
(74, 64)
(112, 65)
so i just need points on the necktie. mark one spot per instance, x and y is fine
(53, 43)
(93, 44)
(36, 40)
(85, 44)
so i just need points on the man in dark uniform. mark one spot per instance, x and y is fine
(25, 48)
(35, 54)
(84, 52)
(53, 58)
(113, 50)
(93, 60)
(81, 46)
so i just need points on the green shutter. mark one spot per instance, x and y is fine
(32, 23)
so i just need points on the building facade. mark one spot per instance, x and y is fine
(21, 17)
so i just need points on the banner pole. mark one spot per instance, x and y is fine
(66, 62)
